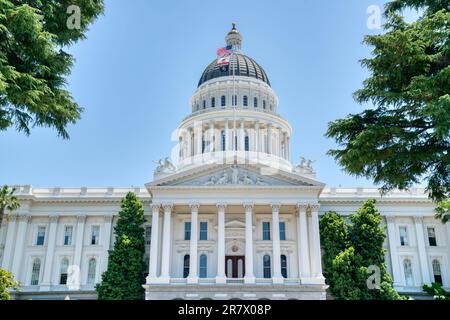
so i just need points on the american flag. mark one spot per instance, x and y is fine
(224, 51)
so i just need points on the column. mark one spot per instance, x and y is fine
(217, 139)
(418, 221)
(269, 138)
(154, 245)
(51, 242)
(165, 261)
(302, 244)
(211, 137)
(24, 219)
(277, 278)
(241, 146)
(10, 240)
(189, 143)
(391, 230)
(198, 135)
(227, 136)
(106, 241)
(221, 277)
(193, 273)
(288, 149)
(256, 139)
(249, 276)
(278, 147)
(316, 258)
(79, 242)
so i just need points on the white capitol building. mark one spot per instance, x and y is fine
(227, 218)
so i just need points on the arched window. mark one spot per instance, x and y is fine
(203, 266)
(223, 101)
(213, 102)
(283, 266)
(245, 101)
(255, 102)
(408, 272)
(222, 140)
(35, 272)
(266, 266)
(204, 104)
(246, 141)
(92, 265)
(63, 271)
(437, 271)
(264, 104)
(186, 266)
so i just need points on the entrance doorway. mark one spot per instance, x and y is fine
(235, 266)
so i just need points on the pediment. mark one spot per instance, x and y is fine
(239, 175)
(234, 224)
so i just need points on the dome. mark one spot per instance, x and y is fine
(246, 67)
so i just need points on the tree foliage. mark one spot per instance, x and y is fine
(350, 252)
(443, 211)
(124, 277)
(404, 138)
(7, 283)
(34, 65)
(436, 291)
(8, 201)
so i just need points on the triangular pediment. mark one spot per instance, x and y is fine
(237, 175)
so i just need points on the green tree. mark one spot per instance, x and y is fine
(436, 291)
(7, 283)
(33, 63)
(351, 251)
(443, 211)
(8, 201)
(124, 277)
(403, 137)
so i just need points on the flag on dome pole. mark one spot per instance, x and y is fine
(224, 51)
(225, 60)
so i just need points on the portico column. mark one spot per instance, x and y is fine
(221, 277)
(396, 275)
(51, 241)
(249, 276)
(9, 243)
(276, 277)
(106, 241)
(154, 245)
(193, 273)
(302, 236)
(165, 259)
(316, 259)
(79, 241)
(24, 219)
(418, 221)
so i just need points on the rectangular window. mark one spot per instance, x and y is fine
(245, 101)
(266, 230)
(403, 236)
(203, 230)
(283, 230)
(148, 234)
(234, 100)
(95, 234)
(222, 147)
(431, 236)
(68, 231)
(40, 236)
(222, 101)
(187, 231)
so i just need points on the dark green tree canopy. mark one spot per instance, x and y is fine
(124, 277)
(34, 65)
(405, 137)
(350, 253)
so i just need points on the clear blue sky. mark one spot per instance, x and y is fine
(141, 62)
